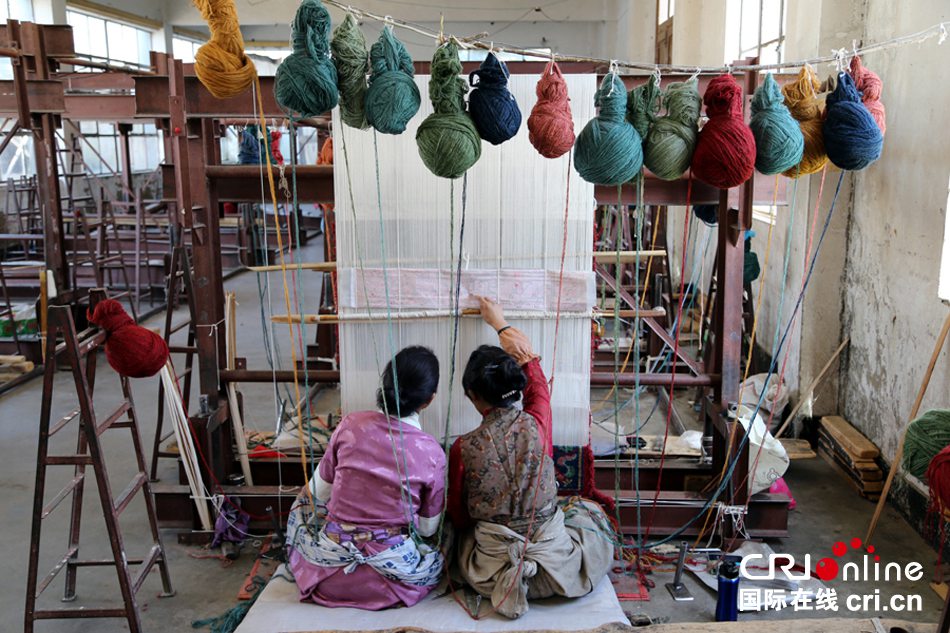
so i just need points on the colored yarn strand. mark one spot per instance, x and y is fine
(779, 144)
(448, 142)
(221, 64)
(392, 97)
(870, 86)
(609, 150)
(491, 105)
(352, 66)
(668, 148)
(551, 126)
(305, 81)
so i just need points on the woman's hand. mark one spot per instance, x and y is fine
(492, 313)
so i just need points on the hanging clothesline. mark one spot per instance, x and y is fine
(839, 56)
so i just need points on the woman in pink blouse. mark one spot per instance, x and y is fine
(379, 492)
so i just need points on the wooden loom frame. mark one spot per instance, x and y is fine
(195, 182)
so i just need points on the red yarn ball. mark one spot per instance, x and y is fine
(550, 126)
(131, 349)
(725, 150)
(870, 86)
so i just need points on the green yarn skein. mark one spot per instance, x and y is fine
(352, 65)
(926, 436)
(779, 143)
(608, 150)
(642, 105)
(306, 80)
(448, 142)
(668, 148)
(393, 96)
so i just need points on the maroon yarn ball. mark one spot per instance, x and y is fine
(550, 126)
(725, 150)
(131, 349)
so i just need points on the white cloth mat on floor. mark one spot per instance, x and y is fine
(278, 610)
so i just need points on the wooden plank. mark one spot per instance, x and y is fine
(870, 468)
(870, 490)
(849, 437)
(798, 449)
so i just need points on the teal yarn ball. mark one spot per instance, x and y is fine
(448, 142)
(779, 143)
(392, 98)
(351, 60)
(608, 150)
(668, 148)
(305, 81)
(642, 106)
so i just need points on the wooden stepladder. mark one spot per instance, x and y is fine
(80, 354)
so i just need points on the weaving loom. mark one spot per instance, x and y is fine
(402, 224)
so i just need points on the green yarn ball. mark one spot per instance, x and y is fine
(448, 141)
(305, 81)
(352, 65)
(668, 148)
(779, 143)
(392, 98)
(608, 150)
(642, 105)
(926, 436)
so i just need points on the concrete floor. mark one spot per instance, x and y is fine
(828, 511)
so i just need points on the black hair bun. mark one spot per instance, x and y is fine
(417, 376)
(494, 376)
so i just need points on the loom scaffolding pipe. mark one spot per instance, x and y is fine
(467, 312)
(609, 379)
(609, 257)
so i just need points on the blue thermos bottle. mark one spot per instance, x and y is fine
(727, 607)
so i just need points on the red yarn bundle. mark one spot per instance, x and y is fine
(938, 479)
(550, 126)
(725, 151)
(870, 86)
(131, 349)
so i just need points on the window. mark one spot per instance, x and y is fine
(100, 147)
(479, 55)
(17, 10)
(755, 28)
(185, 49)
(664, 10)
(108, 40)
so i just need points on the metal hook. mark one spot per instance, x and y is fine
(656, 75)
(695, 74)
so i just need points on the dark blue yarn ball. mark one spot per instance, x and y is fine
(708, 213)
(852, 138)
(249, 149)
(491, 105)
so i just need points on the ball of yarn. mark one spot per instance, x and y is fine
(870, 86)
(609, 150)
(926, 436)
(392, 97)
(779, 143)
(249, 146)
(131, 349)
(491, 105)
(551, 126)
(801, 98)
(448, 142)
(938, 481)
(325, 157)
(668, 148)
(220, 64)
(852, 138)
(351, 60)
(725, 150)
(642, 105)
(305, 81)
